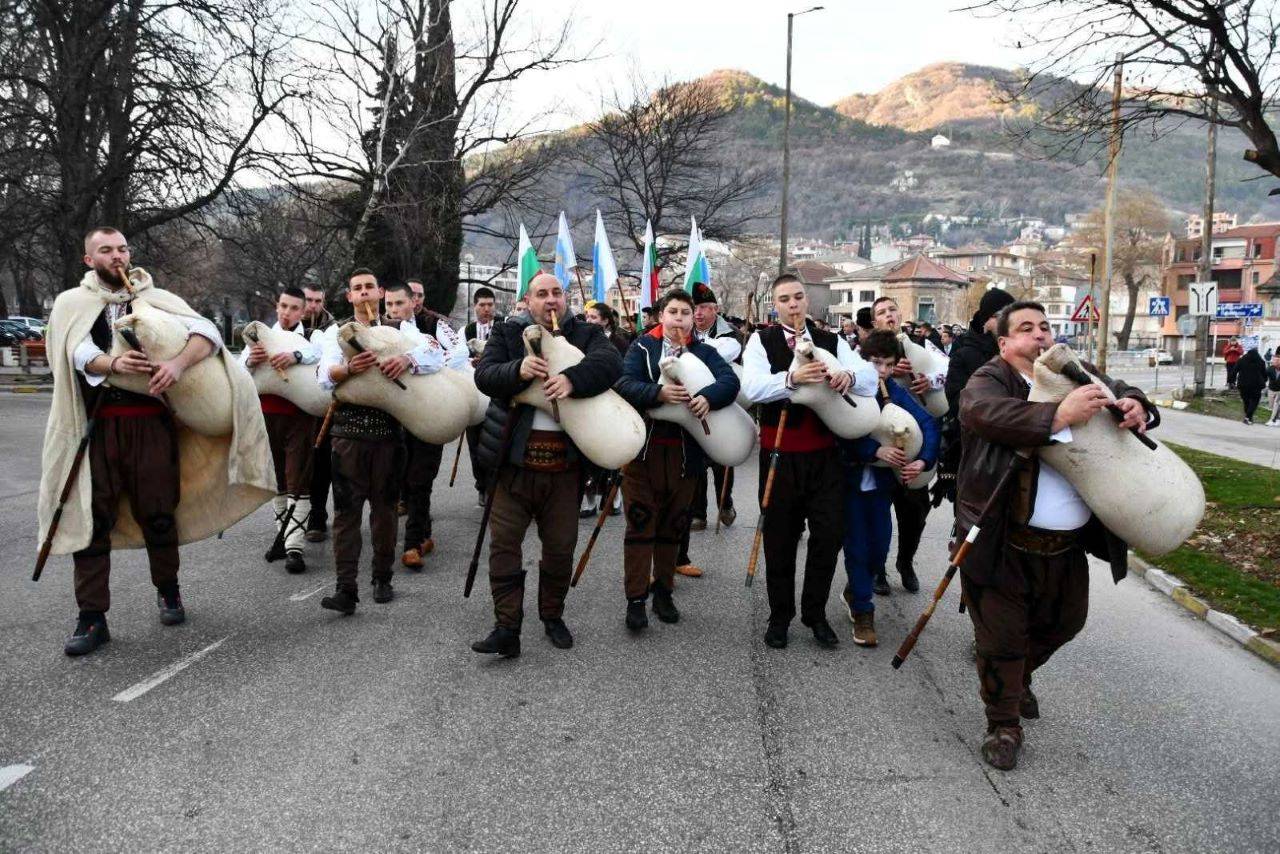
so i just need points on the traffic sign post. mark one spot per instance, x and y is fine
(1158, 306)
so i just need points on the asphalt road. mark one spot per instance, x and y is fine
(301, 730)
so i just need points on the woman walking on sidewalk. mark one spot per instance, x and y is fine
(1251, 378)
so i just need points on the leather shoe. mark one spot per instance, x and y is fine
(411, 559)
(824, 635)
(315, 536)
(689, 570)
(171, 611)
(664, 606)
(910, 583)
(382, 592)
(428, 546)
(90, 633)
(1001, 747)
(502, 642)
(728, 517)
(881, 585)
(775, 636)
(864, 629)
(637, 619)
(561, 637)
(343, 601)
(1029, 706)
(294, 564)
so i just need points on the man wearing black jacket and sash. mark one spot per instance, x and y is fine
(540, 477)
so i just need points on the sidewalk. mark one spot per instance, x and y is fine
(1250, 443)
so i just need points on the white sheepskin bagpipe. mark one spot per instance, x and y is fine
(605, 428)
(298, 384)
(898, 428)
(202, 397)
(730, 434)
(848, 415)
(927, 360)
(1148, 497)
(434, 407)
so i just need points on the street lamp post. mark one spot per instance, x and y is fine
(786, 143)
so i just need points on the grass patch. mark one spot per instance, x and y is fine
(1233, 558)
(1228, 407)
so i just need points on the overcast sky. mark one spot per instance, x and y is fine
(850, 46)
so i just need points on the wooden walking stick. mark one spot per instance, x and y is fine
(614, 482)
(76, 461)
(768, 492)
(724, 493)
(513, 413)
(453, 475)
(961, 552)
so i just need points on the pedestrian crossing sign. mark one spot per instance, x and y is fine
(1086, 311)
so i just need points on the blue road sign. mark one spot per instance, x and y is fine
(1158, 306)
(1236, 310)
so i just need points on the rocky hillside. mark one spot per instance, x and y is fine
(935, 96)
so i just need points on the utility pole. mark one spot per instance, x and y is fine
(1206, 238)
(786, 145)
(1108, 217)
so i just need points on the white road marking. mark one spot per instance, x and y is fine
(133, 692)
(11, 774)
(298, 597)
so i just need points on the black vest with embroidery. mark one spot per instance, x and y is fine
(100, 334)
(353, 421)
(780, 356)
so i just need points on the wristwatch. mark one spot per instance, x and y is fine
(297, 356)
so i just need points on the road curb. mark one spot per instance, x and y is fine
(1161, 581)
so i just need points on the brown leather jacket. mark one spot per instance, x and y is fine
(997, 420)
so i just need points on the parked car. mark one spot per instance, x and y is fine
(30, 322)
(19, 331)
(1162, 357)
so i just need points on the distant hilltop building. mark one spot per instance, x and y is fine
(939, 141)
(1222, 221)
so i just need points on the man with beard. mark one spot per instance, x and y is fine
(135, 449)
(1025, 581)
(292, 433)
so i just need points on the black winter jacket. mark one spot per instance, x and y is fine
(639, 386)
(498, 375)
(1251, 372)
(971, 350)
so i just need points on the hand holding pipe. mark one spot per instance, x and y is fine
(1077, 375)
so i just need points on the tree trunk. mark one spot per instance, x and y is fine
(1122, 337)
(443, 174)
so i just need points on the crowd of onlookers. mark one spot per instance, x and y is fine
(1251, 373)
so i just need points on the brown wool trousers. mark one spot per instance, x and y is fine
(1017, 631)
(291, 438)
(419, 479)
(137, 458)
(656, 499)
(365, 471)
(522, 497)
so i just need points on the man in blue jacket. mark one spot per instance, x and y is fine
(658, 486)
(868, 489)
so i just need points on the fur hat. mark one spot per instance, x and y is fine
(703, 294)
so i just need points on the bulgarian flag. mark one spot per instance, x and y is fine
(527, 263)
(696, 269)
(648, 275)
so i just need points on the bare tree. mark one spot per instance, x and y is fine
(134, 113)
(1141, 223)
(656, 155)
(1175, 53)
(415, 122)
